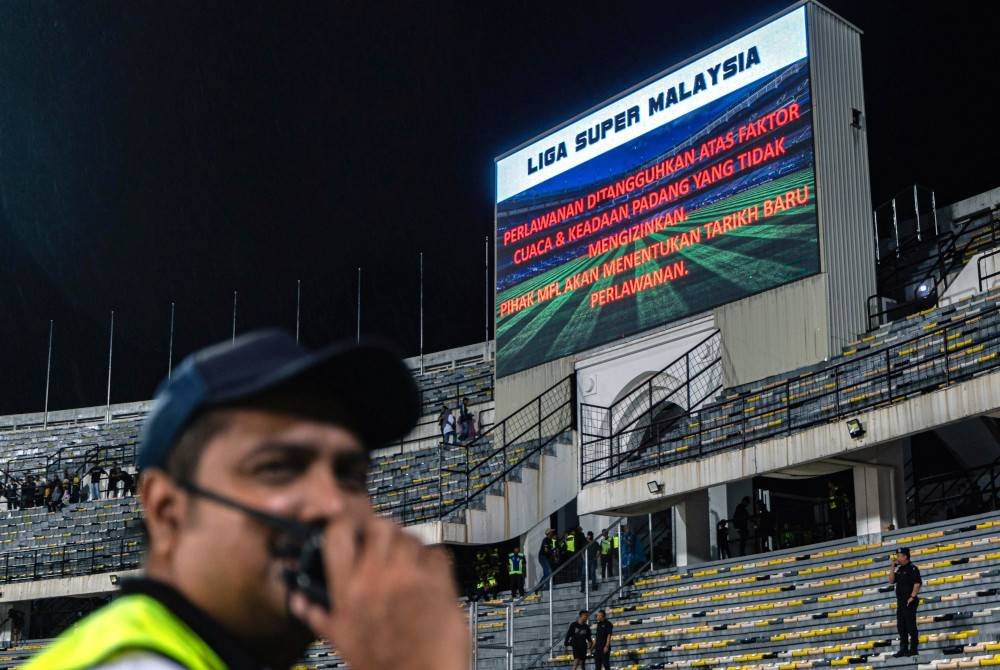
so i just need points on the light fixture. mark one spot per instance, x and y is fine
(855, 428)
(654, 486)
(923, 290)
(114, 579)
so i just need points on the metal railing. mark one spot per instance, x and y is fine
(492, 455)
(978, 489)
(624, 582)
(986, 276)
(78, 558)
(944, 258)
(464, 388)
(610, 434)
(941, 356)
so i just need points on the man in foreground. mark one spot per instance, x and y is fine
(906, 577)
(243, 440)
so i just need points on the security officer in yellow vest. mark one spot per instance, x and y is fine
(246, 442)
(516, 563)
(607, 570)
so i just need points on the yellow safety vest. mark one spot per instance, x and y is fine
(571, 543)
(130, 623)
(605, 546)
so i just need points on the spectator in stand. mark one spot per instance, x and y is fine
(607, 555)
(40, 486)
(74, 490)
(578, 639)
(12, 495)
(722, 537)
(765, 527)
(128, 482)
(546, 553)
(446, 421)
(28, 492)
(466, 422)
(46, 493)
(602, 642)
(593, 549)
(741, 522)
(56, 495)
(16, 627)
(94, 488)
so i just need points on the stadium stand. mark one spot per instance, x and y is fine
(916, 354)
(816, 606)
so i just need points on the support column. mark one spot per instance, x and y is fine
(874, 500)
(690, 530)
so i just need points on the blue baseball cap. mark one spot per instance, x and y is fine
(369, 388)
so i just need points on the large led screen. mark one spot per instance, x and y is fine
(691, 191)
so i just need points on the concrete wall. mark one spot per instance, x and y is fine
(794, 316)
(843, 197)
(83, 585)
(603, 377)
(968, 399)
(524, 507)
(966, 283)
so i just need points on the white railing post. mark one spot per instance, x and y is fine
(510, 636)
(550, 618)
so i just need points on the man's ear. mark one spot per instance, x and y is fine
(163, 504)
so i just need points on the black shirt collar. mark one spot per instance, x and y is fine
(222, 642)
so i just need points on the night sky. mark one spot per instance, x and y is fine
(173, 151)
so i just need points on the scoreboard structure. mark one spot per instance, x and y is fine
(695, 189)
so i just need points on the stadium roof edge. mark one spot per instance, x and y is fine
(676, 66)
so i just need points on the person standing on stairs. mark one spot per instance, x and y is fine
(906, 578)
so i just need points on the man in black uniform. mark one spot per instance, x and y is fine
(602, 642)
(906, 578)
(578, 638)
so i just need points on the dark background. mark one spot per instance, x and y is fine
(152, 152)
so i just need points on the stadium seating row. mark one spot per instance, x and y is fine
(909, 356)
(809, 607)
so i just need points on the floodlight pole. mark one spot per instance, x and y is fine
(916, 211)
(170, 344)
(421, 312)
(486, 267)
(111, 346)
(235, 294)
(48, 374)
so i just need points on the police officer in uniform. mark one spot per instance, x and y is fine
(247, 442)
(906, 578)
(516, 563)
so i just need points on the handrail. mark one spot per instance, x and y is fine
(85, 553)
(601, 415)
(979, 267)
(944, 262)
(625, 584)
(647, 386)
(841, 400)
(444, 507)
